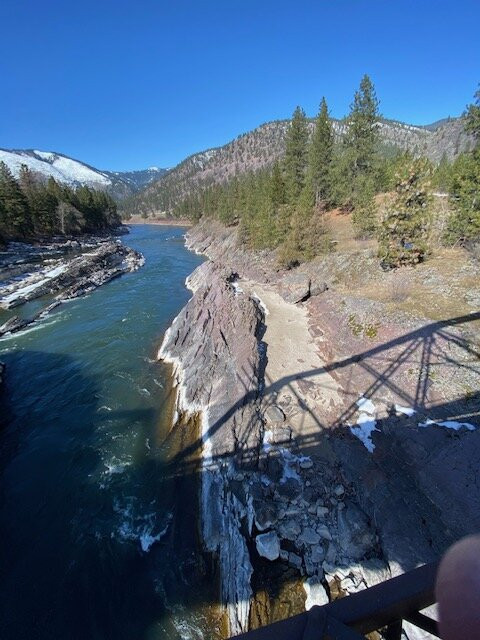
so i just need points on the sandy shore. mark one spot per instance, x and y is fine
(294, 368)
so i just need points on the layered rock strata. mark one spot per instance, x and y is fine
(335, 495)
(63, 271)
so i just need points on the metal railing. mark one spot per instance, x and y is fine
(382, 607)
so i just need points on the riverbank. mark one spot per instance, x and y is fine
(166, 222)
(88, 467)
(322, 464)
(55, 271)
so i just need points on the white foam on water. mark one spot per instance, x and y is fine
(31, 328)
(139, 528)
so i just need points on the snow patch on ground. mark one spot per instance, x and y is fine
(363, 430)
(406, 411)
(448, 424)
(366, 423)
(260, 303)
(48, 164)
(316, 593)
(366, 405)
(45, 276)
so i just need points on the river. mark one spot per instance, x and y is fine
(97, 540)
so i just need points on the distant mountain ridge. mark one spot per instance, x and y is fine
(265, 144)
(64, 169)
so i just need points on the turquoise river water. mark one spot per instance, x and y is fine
(97, 540)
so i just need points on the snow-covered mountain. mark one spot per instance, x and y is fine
(74, 173)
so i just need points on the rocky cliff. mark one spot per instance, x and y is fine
(338, 450)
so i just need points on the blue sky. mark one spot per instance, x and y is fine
(125, 84)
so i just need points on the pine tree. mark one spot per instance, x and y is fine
(277, 187)
(296, 155)
(321, 157)
(404, 229)
(464, 222)
(360, 145)
(16, 216)
(473, 117)
(364, 216)
(307, 236)
(362, 134)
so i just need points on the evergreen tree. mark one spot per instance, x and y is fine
(15, 220)
(364, 216)
(277, 192)
(362, 134)
(307, 236)
(360, 145)
(443, 174)
(403, 232)
(321, 157)
(296, 155)
(464, 221)
(473, 117)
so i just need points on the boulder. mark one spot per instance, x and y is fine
(317, 287)
(322, 512)
(290, 489)
(295, 287)
(317, 553)
(268, 545)
(355, 538)
(339, 490)
(309, 536)
(281, 434)
(289, 530)
(265, 515)
(306, 463)
(274, 415)
(324, 533)
(294, 560)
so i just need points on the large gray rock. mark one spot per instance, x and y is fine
(274, 415)
(316, 593)
(265, 515)
(295, 287)
(268, 545)
(324, 532)
(309, 536)
(289, 529)
(295, 560)
(289, 489)
(355, 537)
(317, 287)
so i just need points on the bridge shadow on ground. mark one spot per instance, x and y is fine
(417, 491)
(418, 483)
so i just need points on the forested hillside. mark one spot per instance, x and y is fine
(262, 147)
(31, 207)
(283, 207)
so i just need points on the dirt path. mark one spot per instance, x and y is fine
(294, 379)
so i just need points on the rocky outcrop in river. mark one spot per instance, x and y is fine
(329, 470)
(61, 270)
